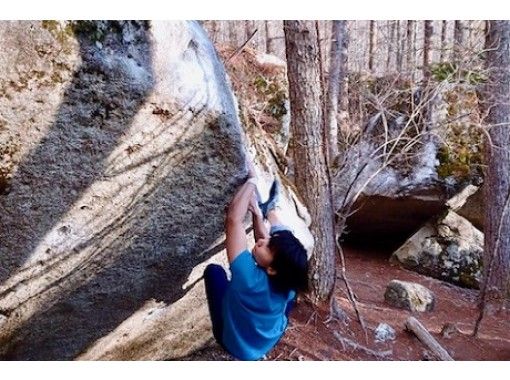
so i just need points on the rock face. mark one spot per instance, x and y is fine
(448, 248)
(124, 146)
(410, 296)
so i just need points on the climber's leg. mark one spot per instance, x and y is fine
(215, 279)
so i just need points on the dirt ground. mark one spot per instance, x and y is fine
(313, 335)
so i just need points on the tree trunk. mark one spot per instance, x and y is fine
(321, 65)
(325, 38)
(496, 287)
(213, 30)
(410, 61)
(444, 26)
(333, 89)
(470, 29)
(337, 102)
(232, 33)
(343, 117)
(372, 45)
(270, 39)
(428, 31)
(400, 47)
(391, 44)
(311, 175)
(247, 29)
(458, 40)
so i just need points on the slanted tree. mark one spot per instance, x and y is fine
(495, 291)
(311, 175)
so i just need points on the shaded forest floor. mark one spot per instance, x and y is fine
(312, 335)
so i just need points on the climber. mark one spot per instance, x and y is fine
(249, 313)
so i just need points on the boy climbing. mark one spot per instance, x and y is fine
(249, 313)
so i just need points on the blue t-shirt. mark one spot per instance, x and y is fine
(253, 313)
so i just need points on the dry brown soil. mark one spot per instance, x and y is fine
(313, 335)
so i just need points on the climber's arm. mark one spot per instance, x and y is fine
(273, 218)
(259, 228)
(236, 241)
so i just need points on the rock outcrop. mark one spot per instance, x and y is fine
(409, 159)
(388, 203)
(124, 148)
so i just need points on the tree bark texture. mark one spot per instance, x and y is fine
(496, 287)
(311, 176)
(372, 45)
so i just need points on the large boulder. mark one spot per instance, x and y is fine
(448, 248)
(410, 157)
(386, 202)
(123, 148)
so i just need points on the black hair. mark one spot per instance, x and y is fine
(290, 262)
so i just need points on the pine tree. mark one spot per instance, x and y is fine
(311, 176)
(495, 290)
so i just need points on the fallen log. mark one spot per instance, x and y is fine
(413, 325)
